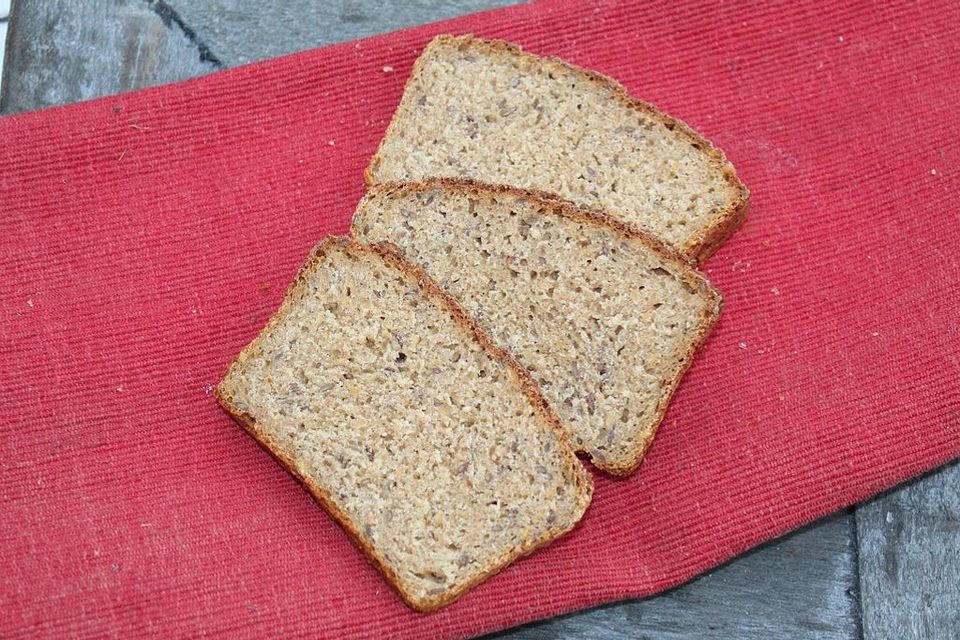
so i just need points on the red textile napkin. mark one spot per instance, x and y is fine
(146, 238)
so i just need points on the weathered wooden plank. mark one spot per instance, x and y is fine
(247, 30)
(62, 51)
(910, 559)
(798, 587)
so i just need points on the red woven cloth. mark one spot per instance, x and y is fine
(146, 238)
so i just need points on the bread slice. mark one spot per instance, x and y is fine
(430, 445)
(605, 319)
(489, 111)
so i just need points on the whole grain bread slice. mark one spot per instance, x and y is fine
(489, 111)
(430, 445)
(604, 318)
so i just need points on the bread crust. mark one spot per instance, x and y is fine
(558, 206)
(698, 248)
(394, 258)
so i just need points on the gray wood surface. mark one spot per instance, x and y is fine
(60, 52)
(799, 587)
(242, 31)
(109, 46)
(910, 559)
(900, 549)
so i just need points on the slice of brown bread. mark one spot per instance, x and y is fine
(430, 445)
(489, 111)
(604, 318)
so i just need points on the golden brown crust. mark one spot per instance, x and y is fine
(695, 250)
(558, 206)
(728, 221)
(394, 258)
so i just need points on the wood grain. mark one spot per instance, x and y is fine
(910, 559)
(799, 587)
(242, 31)
(61, 51)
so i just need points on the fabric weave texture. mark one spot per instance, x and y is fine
(147, 237)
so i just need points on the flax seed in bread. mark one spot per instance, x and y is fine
(605, 319)
(429, 444)
(489, 111)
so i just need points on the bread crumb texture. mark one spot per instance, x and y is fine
(488, 111)
(419, 440)
(605, 322)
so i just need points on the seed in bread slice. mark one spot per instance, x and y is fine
(605, 319)
(489, 111)
(430, 445)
